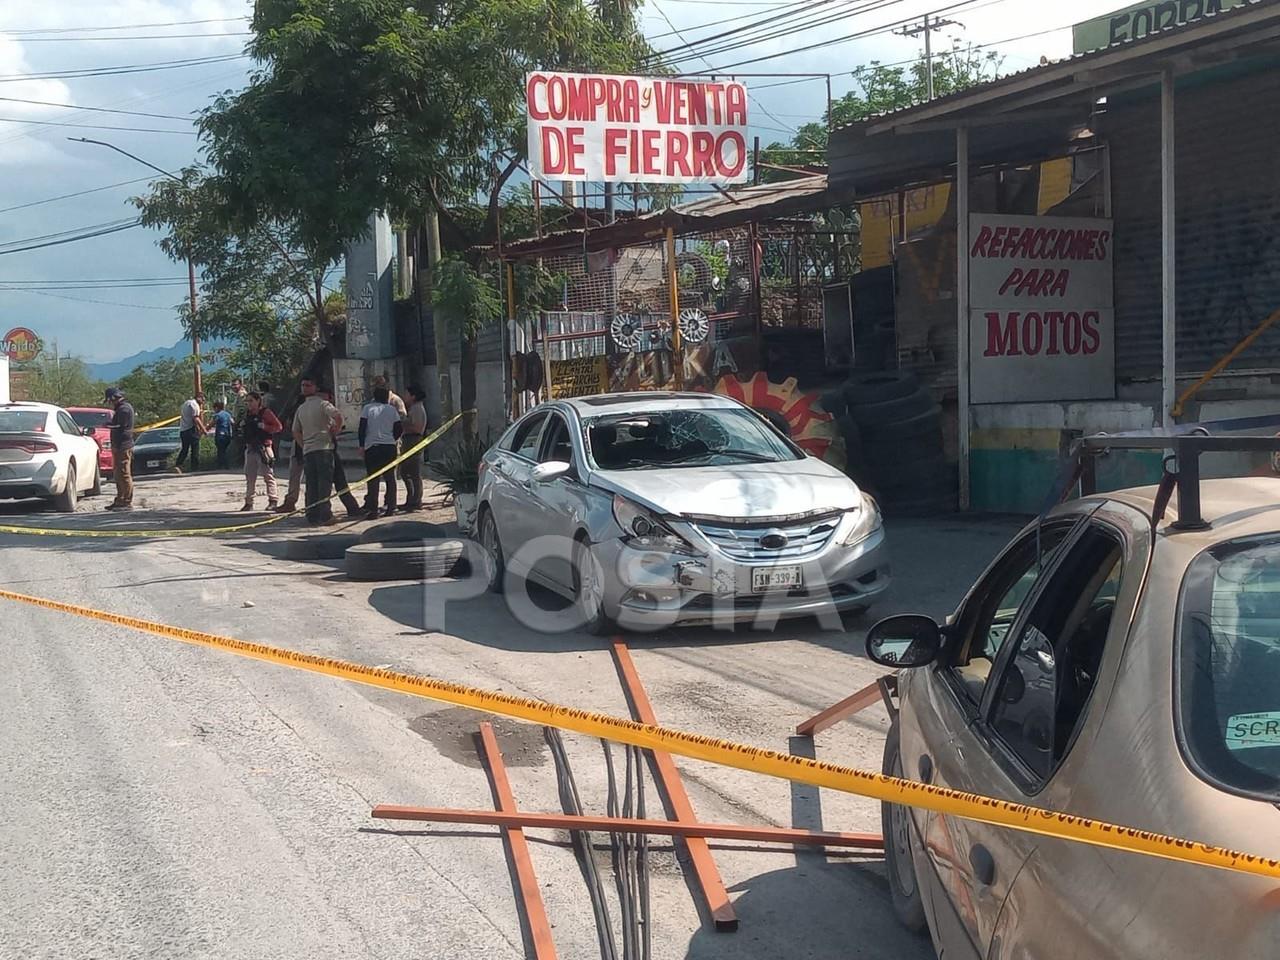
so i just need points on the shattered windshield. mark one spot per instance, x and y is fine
(684, 438)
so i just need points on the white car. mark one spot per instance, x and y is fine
(690, 507)
(44, 453)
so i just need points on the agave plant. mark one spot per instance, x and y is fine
(458, 471)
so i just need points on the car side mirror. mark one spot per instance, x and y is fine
(550, 470)
(87, 431)
(907, 640)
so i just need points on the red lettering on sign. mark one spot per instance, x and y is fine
(1002, 341)
(678, 154)
(733, 140)
(1014, 278)
(1032, 334)
(1059, 286)
(736, 109)
(1071, 333)
(1092, 339)
(704, 164)
(1104, 237)
(536, 83)
(1051, 320)
(574, 148)
(662, 100)
(552, 150)
(717, 92)
(1026, 243)
(1010, 241)
(698, 104)
(649, 152)
(979, 248)
(614, 146)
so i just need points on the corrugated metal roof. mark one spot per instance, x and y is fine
(766, 201)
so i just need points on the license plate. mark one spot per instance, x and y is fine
(155, 463)
(764, 579)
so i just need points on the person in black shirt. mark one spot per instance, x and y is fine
(121, 449)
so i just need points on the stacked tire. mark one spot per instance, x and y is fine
(893, 431)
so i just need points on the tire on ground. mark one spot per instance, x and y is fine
(879, 387)
(325, 546)
(398, 531)
(833, 402)
(909, 466)
(422, 560)
(925, 425)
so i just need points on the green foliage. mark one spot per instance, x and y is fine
(64, 382)
(459, 469)
(882, 89)
(537, 288)
(467, 297)
(717, 259)
(157, 390)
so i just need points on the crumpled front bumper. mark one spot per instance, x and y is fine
(651, 591)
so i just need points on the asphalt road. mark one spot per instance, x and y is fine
(163, 800)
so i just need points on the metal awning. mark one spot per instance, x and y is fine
(767, 201)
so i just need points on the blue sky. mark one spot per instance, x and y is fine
(37, 161)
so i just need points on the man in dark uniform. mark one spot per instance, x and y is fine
(121, 448)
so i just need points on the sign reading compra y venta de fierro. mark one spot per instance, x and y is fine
(596, 127)
(1041, 314)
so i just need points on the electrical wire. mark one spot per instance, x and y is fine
(74, 106)
(105, 303)
(95, 126)
(121, 69)
(69, 196)
(72, 239)
(153, 36)
(716, 23)
(128, 26)
(793, 19)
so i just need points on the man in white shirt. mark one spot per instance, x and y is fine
(191, 428)
(380, 430)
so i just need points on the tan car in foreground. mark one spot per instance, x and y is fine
(1116, 668)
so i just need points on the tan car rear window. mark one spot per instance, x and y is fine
(1229, 666)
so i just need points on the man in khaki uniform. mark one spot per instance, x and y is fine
(315, 425)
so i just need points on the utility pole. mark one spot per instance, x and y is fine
(191, 267)
(444, 354)
(926, 27)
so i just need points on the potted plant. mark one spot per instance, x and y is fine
(458, 471)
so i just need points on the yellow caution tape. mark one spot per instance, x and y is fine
(157, 425)
(711, 749)
(234, 528)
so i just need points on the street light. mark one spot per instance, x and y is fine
(191, 267)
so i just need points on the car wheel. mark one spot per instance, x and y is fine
(495, 564)
(96, 489)
(895, 824)
(67, 499)
(588, 590)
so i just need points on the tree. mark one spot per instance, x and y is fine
(262, 284)
(157, 390)
(366, 105)
(65, 382)
(882, 89)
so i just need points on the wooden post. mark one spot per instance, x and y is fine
(673, 281)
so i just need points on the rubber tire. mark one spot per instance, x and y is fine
(401, 531)
(879, 387)
(67, 499)
(883, 415)
(491, 543)
(909, 465)
(325, 546)
(595, 621)
(96, 489)
(926, 425)
(427, 560)
(908, 905)
(834, 403)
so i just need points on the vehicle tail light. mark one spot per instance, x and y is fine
(31, 446)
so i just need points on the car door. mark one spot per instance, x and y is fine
(1029, 707)
(509, 494)
(557, 506)
(83, 450)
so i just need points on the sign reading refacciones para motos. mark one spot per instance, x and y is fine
(596, 127)
(1041, 317)
(579, 377)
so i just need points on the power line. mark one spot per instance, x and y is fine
(150, 36)
(716, 23)
(107, 303)
(89, 235)
(94, 126)
(115, 71)
(68, 196)
(117, 284)
(770, 21)
(73, 106)
(127, 26)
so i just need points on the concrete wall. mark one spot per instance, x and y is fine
(491, 417)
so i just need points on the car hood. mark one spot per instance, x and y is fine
(793, 488)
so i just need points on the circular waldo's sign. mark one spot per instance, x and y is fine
(21, 343)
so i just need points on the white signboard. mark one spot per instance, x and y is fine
(1041, 314)
(597, 127)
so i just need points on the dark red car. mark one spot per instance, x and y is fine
(97, 418)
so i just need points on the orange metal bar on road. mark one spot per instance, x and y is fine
(704, 867)
(663, 828)
(534, 912)
(866, 697)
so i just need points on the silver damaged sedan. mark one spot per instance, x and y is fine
(648, 510)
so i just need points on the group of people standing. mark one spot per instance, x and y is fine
(386, 423)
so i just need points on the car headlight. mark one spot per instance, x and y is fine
(644, 531)
(866, 521)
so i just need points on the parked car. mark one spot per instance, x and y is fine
(44, 453)
(1114, 667)
(97, 418)
(667, 508)
(154, 449)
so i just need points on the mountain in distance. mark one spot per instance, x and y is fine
(115, 369)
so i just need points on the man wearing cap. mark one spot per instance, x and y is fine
(122, 449)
